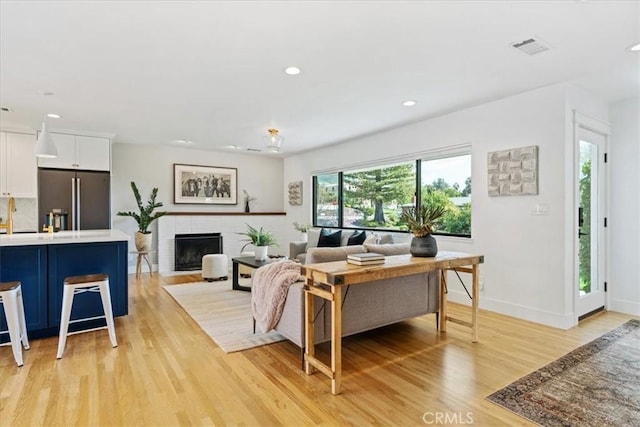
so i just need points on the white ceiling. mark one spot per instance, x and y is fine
(212, 72)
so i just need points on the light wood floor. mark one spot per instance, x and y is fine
(166, 371)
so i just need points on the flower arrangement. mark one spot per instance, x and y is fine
(303, 228)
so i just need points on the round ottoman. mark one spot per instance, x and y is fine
(215, 267)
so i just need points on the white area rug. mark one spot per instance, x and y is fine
(224, 314)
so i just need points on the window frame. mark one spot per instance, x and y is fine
(418, 158)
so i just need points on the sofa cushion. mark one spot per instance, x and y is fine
(392, 249)
(316, 255)
(313, 235)
(386, 239)
(357, 238)
(328, 239)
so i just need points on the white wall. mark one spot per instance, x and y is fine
(624, 283)
(524, 270)
(152, 166)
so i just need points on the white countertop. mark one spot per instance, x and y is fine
(63, 237)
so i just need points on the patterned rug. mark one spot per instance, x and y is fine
(597, 384)
(224, 314)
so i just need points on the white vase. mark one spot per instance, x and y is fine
(261, 252)
(143, 241)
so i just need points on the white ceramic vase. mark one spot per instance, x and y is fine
(261, 252)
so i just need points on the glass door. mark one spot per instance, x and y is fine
(591, 223)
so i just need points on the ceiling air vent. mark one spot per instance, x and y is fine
(530, 46)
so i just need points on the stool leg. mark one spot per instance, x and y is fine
(105, 294)
(10, 301)
(23, 322)
(67, 302)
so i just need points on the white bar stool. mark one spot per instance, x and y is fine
(11, 299)
(79, 284)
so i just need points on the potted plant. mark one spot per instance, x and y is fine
(144, 218)
(302, 228)
(261, 240)
(421, 223)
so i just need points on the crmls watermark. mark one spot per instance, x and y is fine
(443, 418)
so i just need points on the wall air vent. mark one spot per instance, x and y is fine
(530, 46)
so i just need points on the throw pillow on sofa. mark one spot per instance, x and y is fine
(357, 238)
(328, 239)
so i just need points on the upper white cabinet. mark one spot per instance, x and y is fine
(18, 166)
(79, 152)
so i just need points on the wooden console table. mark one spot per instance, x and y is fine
(325, 280)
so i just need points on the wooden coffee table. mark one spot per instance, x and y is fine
(250, 262)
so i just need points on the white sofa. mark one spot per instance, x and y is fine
(366, 307)
(298, 249)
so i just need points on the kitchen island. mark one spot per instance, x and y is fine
(41, 261)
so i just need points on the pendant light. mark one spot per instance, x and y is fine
(273, 140)
(45, 147)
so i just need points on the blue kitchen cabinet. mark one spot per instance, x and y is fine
(28, 265)
(87, 258)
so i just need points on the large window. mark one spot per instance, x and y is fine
(325, 196)
(447, 181)
(374, 197)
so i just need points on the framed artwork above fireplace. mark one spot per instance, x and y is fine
(209, 185)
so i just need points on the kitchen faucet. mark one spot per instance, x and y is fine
(11, 208)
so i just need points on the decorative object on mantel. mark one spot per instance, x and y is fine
(421, 223)
(302, 228)
(273, 140)
(295, 193)
(248, 198)
(513, 172)
(261, 240)
(210, 185)
(143, 236)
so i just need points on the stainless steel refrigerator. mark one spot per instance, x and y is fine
(83, 195)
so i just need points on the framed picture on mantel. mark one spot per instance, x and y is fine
(205, 185)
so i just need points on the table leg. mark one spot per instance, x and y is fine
(309, 339)
(235, 282)
(139, 266)
(146, 258)
(443, 301)
(474, 304)
(336, 339)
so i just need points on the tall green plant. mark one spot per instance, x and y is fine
(146, 215)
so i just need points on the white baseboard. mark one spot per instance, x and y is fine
(624, 306)
(562, 321)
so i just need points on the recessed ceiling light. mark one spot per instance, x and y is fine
(54, 115)
(292, 71)
(409, 103)
(6, 109)
(635, 47)
(184, 141)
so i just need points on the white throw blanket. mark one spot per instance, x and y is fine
(269, 292)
